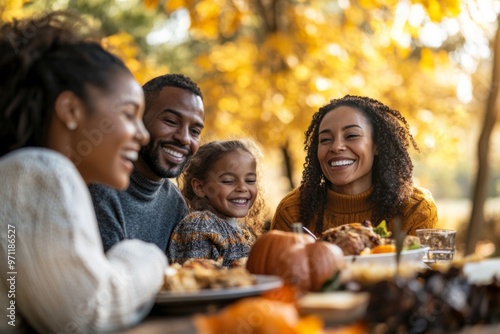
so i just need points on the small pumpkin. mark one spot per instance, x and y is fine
(270, 246)
(297, 258)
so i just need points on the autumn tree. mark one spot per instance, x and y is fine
(268, 65)
(265, 66)
(477, 219)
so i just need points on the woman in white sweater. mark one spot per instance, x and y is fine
(70, 114)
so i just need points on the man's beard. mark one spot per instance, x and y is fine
(151, 156)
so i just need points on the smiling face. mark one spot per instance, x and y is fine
(110, 133)
(231, 184)
(174, 121)
(346, 150)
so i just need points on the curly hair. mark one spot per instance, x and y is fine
(40, 58)
(201, 164)
(153, 87)
(392, 170)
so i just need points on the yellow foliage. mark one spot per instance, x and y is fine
(230, 104)
(11, 9)
(280, 43)
(403, 52)
(223, 57)
(453, 7)
(443, 58)
(438, 9)
(173, 5)
(435, 11)
(203, 62)
(427, 59)
(124, 46)
(268, 83)
(151, 4)
(230, 22)
(370, 4)
(244, 80)
(354, 16)
(205, 19)
(317, 52)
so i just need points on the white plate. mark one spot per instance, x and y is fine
(414, 255)
(335, 308)
(482, 272)
(264, 283)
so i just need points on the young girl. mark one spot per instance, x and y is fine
(220, 187)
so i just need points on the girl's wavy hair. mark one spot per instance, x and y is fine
(392, 166)
(200, 167)
(41, 57)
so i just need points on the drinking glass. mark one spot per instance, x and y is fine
(441, 243)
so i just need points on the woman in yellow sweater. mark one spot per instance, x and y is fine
(357, 168)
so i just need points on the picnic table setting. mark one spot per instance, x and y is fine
(354, 278)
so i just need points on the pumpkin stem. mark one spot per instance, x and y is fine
(297, 228)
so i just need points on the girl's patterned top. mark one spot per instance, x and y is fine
(204, 235)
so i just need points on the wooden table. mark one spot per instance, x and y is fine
(159, 325)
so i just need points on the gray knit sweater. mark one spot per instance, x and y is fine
(147, 210)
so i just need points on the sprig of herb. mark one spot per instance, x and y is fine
(381, 230)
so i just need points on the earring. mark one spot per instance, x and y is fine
(71, 125)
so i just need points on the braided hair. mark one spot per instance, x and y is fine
(392, 167)
(41, 57)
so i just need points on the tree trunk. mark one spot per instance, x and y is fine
(287, 161)
(476, 222)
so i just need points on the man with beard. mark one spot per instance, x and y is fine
(152, 205)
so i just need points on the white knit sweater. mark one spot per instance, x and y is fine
(61, 279)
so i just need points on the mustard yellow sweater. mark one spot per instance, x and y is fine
(419, 211)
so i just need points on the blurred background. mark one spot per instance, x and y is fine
(265, 66)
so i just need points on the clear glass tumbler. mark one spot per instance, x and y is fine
(441, 243)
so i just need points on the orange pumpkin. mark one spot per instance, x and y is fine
(295, 257)
(270, 246)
